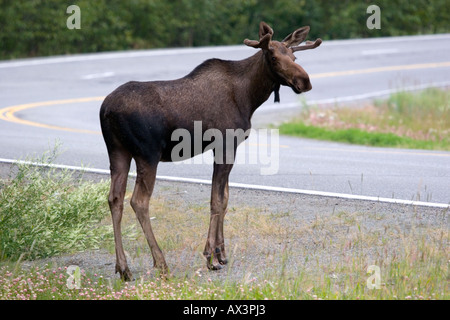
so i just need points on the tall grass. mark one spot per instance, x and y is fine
(45, 212)
(427, 112)
(406, 120)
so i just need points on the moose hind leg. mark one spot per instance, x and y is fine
(145, 181)
(120, 165)
(220, 239)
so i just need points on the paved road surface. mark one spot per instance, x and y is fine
(340, 71)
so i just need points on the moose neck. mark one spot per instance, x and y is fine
(256, 82)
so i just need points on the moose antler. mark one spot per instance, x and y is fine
(263, 43)
(308, 45)
(294, 40)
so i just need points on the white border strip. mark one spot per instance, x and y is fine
(245, 186)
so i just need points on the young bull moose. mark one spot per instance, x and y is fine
(138, 120)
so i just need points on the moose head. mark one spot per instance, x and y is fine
(280, 56)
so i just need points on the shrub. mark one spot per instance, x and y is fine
(45, 212)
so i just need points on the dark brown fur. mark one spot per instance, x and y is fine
(138, 119)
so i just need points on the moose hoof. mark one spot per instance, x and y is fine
(163, 269)
(216, 260)
(221, 257)
(214, 266)
(125, 274)
(213, 263)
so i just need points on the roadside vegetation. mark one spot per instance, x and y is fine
(47, 213)
(110, 25)
(419, 275)
(405, 120)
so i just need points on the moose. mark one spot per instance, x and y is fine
(138, 119)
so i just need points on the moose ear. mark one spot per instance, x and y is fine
(296, 37)
(265, 36)
(264, 29)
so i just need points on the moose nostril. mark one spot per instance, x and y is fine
(308, 85)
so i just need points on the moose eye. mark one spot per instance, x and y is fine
(274, 59)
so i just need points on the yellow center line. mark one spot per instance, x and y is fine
(8, 114)
(381, 69)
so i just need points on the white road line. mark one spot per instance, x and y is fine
(378, 52)
(245, 186)
(98, 75)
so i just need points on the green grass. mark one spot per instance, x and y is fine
(405, 120)
(355, 136)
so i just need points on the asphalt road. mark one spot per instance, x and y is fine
(42, 100)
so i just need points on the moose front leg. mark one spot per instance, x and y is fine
(215, 245)
(120, 164)
(220, 240)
